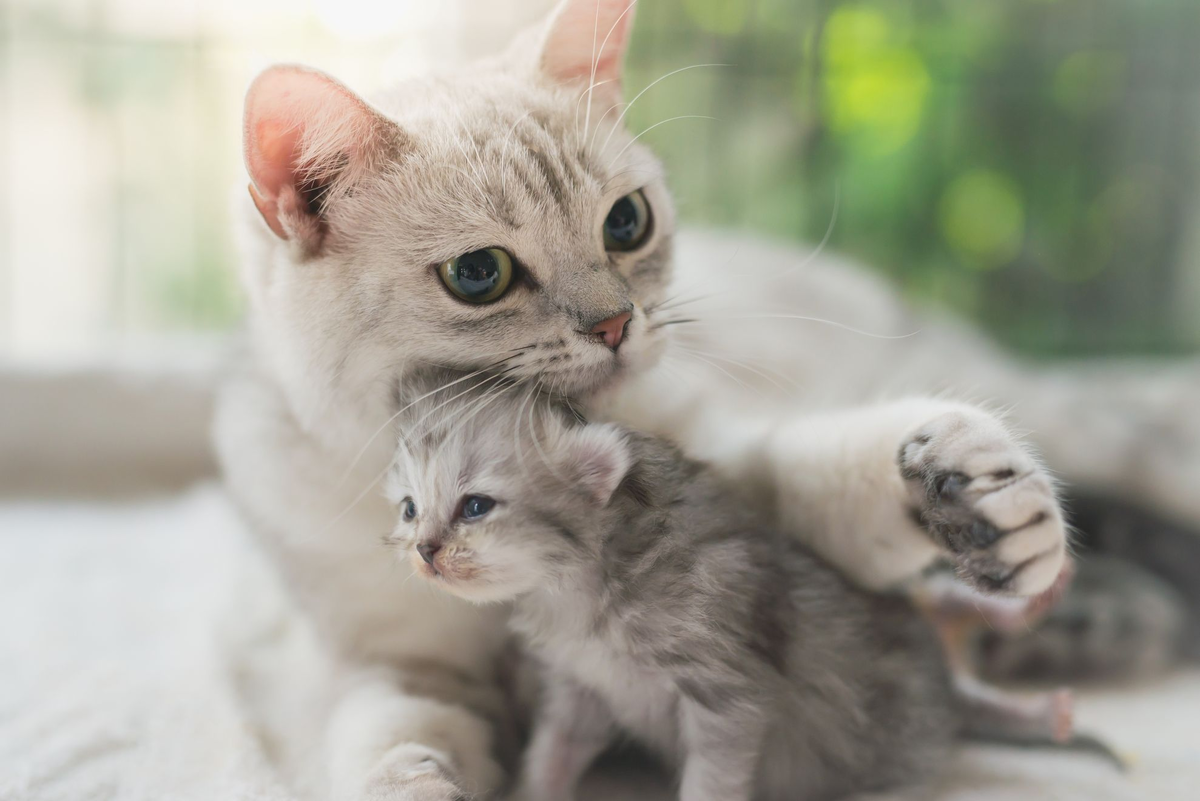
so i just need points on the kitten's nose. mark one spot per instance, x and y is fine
(612, 330)
(428, 550)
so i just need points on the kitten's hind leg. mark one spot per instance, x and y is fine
(1037, 720)
(990, 712)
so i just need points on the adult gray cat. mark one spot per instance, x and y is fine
(501, 219)
(664, 606)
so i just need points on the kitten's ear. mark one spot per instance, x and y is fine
(596, 458)
(586, 41)
(307, 137)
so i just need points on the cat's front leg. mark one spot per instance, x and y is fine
(882, 491)
(574, 726)
(986, 501)
(389, 744)
(722, 752)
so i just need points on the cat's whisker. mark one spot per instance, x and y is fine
(482, 192)
(579, 100)
(490, 396)
(504, 151)
(600, 122)
(805, 318)
(517, 429)
(674, 302)
(617, 175)
(833, 217)
(373, 484)
(620, 119)
(595, 62)
(370, 440)
(675, 321)
(768, 374)
(538, 446)
(596, 56)
(478, 163)
(728, 374)
(629, 144)
(406, 436)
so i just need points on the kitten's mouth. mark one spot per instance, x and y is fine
(443, 571)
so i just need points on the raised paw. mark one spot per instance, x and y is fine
(983, 498)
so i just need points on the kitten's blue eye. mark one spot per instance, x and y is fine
(409, 509)
(627, 223)
(480, 276)
(476, 506)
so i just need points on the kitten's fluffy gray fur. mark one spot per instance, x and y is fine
(665, 606)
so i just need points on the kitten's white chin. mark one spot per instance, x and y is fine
(476, 591)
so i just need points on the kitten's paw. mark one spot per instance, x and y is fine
(414, 773)
(986, 501)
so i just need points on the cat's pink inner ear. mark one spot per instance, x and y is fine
(587, 40)
(296, 119)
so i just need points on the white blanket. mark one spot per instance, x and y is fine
(138, 641)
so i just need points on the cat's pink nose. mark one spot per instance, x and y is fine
(612, 330)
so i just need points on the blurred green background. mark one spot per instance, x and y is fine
(1032, 164)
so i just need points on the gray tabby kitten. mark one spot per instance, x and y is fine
(664, 605)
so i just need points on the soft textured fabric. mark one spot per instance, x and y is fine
(146, 652)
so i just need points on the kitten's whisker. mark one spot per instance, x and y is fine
(652, 84)
(629, 144)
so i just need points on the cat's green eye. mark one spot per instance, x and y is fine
(480, 276)
(627, 223)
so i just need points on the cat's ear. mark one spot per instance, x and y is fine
(596, 459)
(306, 139)
(586, 40)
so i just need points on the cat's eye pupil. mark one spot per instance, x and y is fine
(478, 272)
(622, 222)
(628, 222)
(410, 509)
(480, 276)
(477, 506)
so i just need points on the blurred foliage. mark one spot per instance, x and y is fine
(1033, 164)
